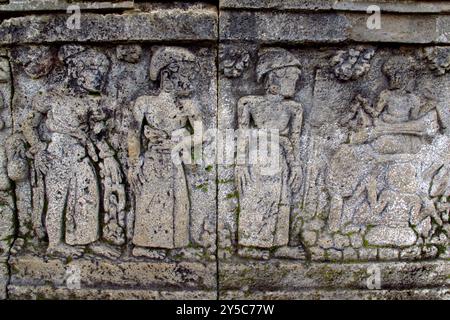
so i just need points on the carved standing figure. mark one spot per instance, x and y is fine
(162, 205)
(66, 152)
(265, 199)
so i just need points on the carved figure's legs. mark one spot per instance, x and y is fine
(57, 184)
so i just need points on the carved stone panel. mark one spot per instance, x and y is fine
(98, 151)
(361, 163)
(96, 128)
(7, 218)
(224, 149)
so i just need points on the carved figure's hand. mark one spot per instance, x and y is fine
(155, 136)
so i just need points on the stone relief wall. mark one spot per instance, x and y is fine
(101, 196)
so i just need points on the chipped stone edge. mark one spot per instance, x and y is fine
(335, 28)
(34, 29)
(333, 5)
(36, 6)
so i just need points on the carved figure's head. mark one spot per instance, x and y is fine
(400, 71)
(176, 68)
(402, 178)
(280, 71)
(86, 68)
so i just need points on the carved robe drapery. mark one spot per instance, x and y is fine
(162, 201)
(265, 199)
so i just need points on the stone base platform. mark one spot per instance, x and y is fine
(37, 278)
(293, 280)
(423, 294)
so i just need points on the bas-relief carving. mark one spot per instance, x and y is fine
(233, 61)
(7, 205)
(353, 63)
(397, 126)
(173, 196)
(69, 157)
(375, 155)
(438, 59)
(265, 200)
(377, 164)
(162, 214)
(379, 180)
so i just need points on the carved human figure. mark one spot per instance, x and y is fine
(395, 129)
(401, 118)
(265, 199)
(397, 208)
(66, 157)
(162, 207)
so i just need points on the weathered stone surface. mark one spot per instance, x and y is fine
(156, 25)
(416, 294)
(349, 5)
(300, 28)
(291, 276)
(244, 149)
(366, 177)
(88, 135)
(51, 293)
(283, 27)
(58, 5)
(134, 274)
(4, 279)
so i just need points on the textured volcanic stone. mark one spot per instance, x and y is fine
(240, 149)
(363, 146)
(157, 25)
(58, 5)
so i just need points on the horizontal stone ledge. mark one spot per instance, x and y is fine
(49, 292)
(413, 294)
(159, 25)
(58, 5)
(298, 28)
(334, 5)
(31, 271)
(291, 276)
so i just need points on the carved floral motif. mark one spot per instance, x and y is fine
(353, 63)
(233, 61)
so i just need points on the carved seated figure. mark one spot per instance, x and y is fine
(401, 118)
(395, 129)
(398, 206)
